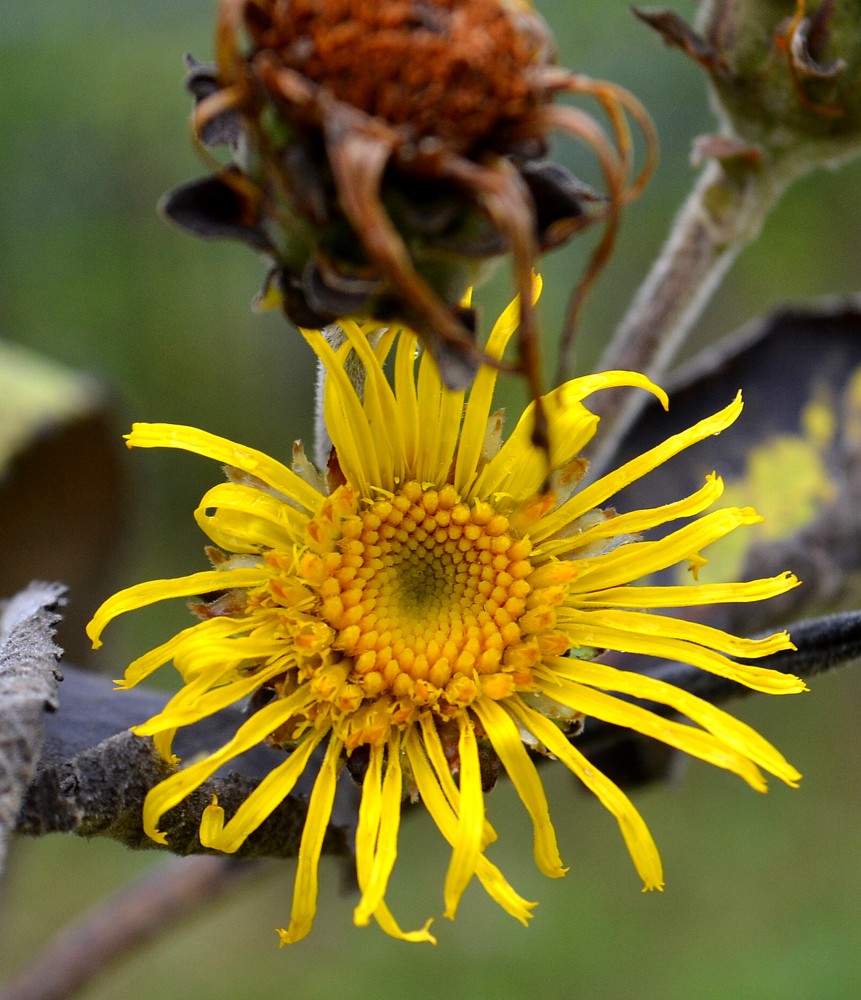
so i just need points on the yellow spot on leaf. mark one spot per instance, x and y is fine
(786, 479)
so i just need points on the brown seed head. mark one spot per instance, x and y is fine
(386, 153)
(458, 70)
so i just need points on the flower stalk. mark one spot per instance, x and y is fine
(786, 96)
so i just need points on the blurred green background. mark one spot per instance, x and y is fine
(763, 896)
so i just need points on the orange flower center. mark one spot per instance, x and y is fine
(426, 595)
(456, 69)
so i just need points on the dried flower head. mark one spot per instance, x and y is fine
(385, 152)
(425, 613)
(783, 79)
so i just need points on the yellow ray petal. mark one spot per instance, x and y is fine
(193, 703)
(316, 823)
(636, 560)
(727, 728)
(368, 827)
(441, 411)
(202, 664)
(387, 922)
(381, 409)
(640, 844)
(345, 418)
(367, 833)
(405, 390)
(436, 755)
(520, 468)
(493, 881)
(211, 630)
(694, 595)
(385, 341)
(688, 739)
(163, 743)
(143, 594)
(450, 417)
(620, 639)
(386, 849)
(256, 463)
(598, 492)
(677, 628)
(261, 803)
(180, 785)
(637, 521)
(239, 639)
(478, 406)
(241, 519)
(504, 736)
(441, 767)
(470, 820)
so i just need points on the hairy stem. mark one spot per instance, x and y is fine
(724, 212)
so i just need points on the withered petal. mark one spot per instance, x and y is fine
(223, 129)
(558, 196)
(327, 291)
(213, 209)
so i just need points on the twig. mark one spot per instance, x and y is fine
(125, 923)
(28, 692)
(100, 793)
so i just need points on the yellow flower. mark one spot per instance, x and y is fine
(424, 605)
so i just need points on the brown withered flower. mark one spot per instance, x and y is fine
(385, 152)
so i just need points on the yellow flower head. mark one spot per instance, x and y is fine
(424, 605)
